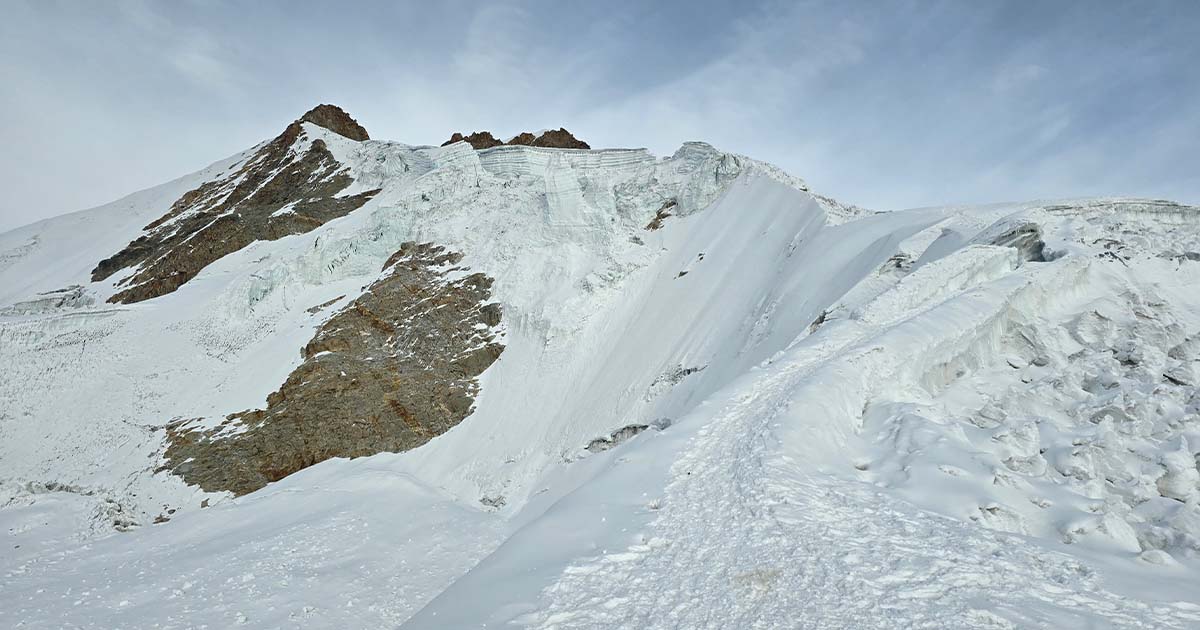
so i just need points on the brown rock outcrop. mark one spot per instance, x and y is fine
(389, 372)
(524, 138)
(556, 139)
(478, 140)
(336, 120)
(661, 215)
(560, 139)
(224, 215)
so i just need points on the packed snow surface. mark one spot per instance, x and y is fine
(773, 411)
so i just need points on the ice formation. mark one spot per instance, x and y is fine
(800, 413)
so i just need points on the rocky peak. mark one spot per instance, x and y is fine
(523, 138)
(478, 140)
(336, 120)
(555, 139)
(288, 186)
(559, 139)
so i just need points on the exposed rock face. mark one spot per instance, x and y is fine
(288, 187)
(524, 138)
(387, 373)
(334, 119)
(558, 139)
(478, 140)
(661, 215)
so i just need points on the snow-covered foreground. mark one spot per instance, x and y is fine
(770, 511)
(957, 417)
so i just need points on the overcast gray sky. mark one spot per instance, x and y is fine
(885, 104)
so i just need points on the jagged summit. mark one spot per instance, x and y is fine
(290, 185)
(336, 120)
(556, 139)
(478, 140)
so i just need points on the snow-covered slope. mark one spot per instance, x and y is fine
(723, 402)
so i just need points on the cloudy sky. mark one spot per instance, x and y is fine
(884, 104)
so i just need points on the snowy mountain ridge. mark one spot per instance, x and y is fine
(721, 401)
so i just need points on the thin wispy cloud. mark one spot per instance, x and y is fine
(888, 105)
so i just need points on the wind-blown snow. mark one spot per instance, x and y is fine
(950, 417)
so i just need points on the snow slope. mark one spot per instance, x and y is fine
(948, 417)
(814, 491)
